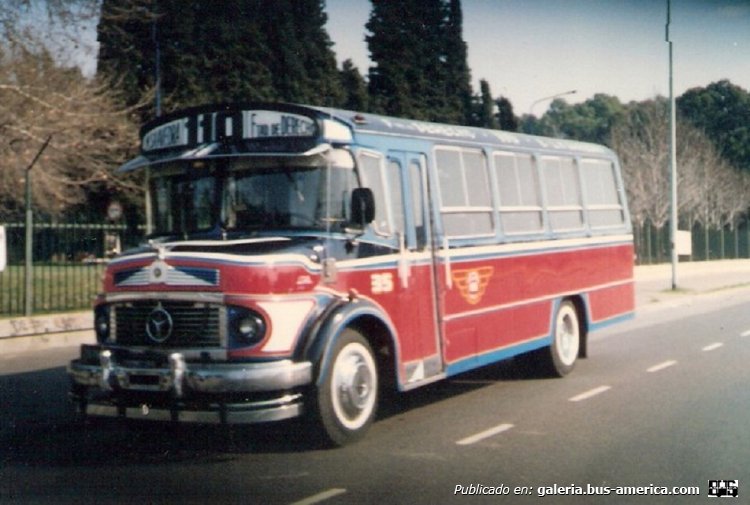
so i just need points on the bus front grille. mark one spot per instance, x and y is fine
(167, 323)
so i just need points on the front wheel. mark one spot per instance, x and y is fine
(347, 397)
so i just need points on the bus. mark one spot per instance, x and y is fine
(303, 260)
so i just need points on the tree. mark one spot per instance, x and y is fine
(484, 107)
(709, 190)
(505, 118)
(302, 64)
(232, 50)
(722, 110)
(86, 126)
(457, 74)
(419, 57)
(354, 88)
(589, 121)
(641, 143)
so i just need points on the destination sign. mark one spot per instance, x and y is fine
(203, 128)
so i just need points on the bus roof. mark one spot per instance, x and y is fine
(260, 128)
(363, 122)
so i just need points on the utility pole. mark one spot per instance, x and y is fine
(672, 158)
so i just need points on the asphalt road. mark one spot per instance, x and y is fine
(662, 402)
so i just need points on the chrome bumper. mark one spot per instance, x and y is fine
(179, 379)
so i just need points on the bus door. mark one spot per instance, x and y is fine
(419, 310)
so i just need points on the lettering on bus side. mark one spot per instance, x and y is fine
(381, 283)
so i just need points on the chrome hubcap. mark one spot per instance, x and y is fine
(567, 336)
(354, 386)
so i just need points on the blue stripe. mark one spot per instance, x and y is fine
(611, 321)
(495, 356)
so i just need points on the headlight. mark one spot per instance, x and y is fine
(102, 323)
(246, 327)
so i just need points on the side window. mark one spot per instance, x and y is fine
(563, 193)
(396, 194)
(466, 206)
(520, 199)
(370, 167)
(417, 202)
(602, 198)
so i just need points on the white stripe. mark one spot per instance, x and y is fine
(320, 497)
(537, 246)
(662, 366)
(485, 434)
(540, 299)
(745, 333)
(711, 347)
(588, 394)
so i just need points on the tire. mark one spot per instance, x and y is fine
(559, 359)
(347, 398)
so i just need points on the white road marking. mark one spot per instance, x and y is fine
(588, 394)
(325, 495)
(662, 366)
(713, 346)
(745, 333)
(485, 434)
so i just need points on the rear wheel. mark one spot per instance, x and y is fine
(566, 341)
(347, 398)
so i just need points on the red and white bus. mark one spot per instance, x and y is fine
(303, 259)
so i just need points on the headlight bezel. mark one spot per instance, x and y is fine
(246, 327)
(103, 323)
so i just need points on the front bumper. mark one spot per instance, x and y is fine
(173, 389)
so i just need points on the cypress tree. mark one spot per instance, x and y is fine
(458, 77)
(354, 88)
(226, 50)
(505, 119)
(420, 66)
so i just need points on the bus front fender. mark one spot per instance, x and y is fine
(359, 313)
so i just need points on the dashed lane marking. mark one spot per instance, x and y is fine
(485, 434)
(322, 496)
(588, 394)
(712, 347)
(662, 366)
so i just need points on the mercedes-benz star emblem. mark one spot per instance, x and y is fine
(159, 325)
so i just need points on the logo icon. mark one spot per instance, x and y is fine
(472, 283)
(159, 325)
(723, 488)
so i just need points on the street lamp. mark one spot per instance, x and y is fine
(551, 97)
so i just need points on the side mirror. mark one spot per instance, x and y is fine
(363, 206)
(3, 249)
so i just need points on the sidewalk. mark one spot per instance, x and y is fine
(653, 288)
(653, 283)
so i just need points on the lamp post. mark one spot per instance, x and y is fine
(29, 253)
(551, 97)
(672, 159)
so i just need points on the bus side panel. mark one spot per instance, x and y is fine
(512, 279)
(611, 303)
(408, 307)
(497, 329)
(506, 301)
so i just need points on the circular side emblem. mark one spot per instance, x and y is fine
(159, 325)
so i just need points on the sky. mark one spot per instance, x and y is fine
(528, 50)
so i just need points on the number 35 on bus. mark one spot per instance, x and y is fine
(302, 260)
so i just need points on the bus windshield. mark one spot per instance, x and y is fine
(237, 197)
